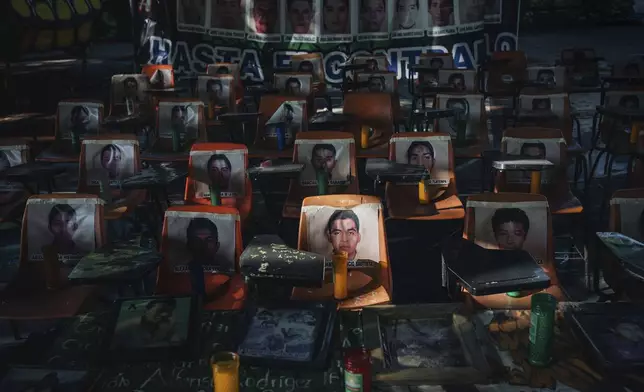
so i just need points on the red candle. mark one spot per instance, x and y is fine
(357, 370)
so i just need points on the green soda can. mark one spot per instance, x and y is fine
(542, 329)
(323, 182)
(215, 195)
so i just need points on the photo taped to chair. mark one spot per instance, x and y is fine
(377, 82)
(467, 121)
(353, 230)
(459, 80)
(227, 19)
(294, 84)
(67, 224)
(181, 117)
(332, 156)
(547, 148)
(309, 63)
(191, 16)
(11, 156)
(200, 239)
(226, 168)
(81, 118)
(263, 20)
(216, 90)
(551, 77)
(288, 118)
(128, 91)
(512, 226)
(301, 20)
(111, 160)
(432, 152)
(544, 103)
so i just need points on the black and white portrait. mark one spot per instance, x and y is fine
(377, 82)
(431, 152)
(128, 91)
(441, 20)
(301, 20)
(224, 168)
(460, 80)
(409, 18)
(330, 156)
(223, 69)
(550, 103)
(294, 84)
(471, 11)
(263, 20)
(467, 119)
(309, 63)
(216, 90)
(374, 20)
(546, 148)
(11, 156)
(181, 117)
(81, 118)
(112, 160)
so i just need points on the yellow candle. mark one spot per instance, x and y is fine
(364, 137)
(340, 272)
(423, 197)
(225, 372)
(635, 132)
(535, 182)
(211, 110)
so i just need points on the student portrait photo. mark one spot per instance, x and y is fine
(289, 115)
(67, 226)
(264, 16)
(437, 63)
(336, 17)
(309, 64)
(407, 15)
(191, 12)
(373, 16)
(224, 168)
(129, 90)
(431, 153)
(441, 13)
(510, 227)
(458, 123)
(113, 158)
(214, 90)
(293, 86)
(202, 240)
(547, 77)
(352, 230)
(180, 118)
(300, 17)
(541, 105)
(227, 14)
(79, 118)
(471, 11)
(457, 81)
(146, 323)
(330, 157)
(376, 84)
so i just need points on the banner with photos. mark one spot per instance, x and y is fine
(262, 35)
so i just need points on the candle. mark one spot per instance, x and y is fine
(176, 140)
(340, 272)
(211, 110)
(225, 372)
(542, 324)
(364, 136)
(322, 182)
(535, 182)
(52, 267)
(215, 195)
(635, 132)
(423, 195)
(281, 136)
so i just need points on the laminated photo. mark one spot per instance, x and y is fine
(110, 159)
(301, 20)
(215, 90)
(461, 80)
(294, 84)
(432, 152)
(553, 103)
(337, 21)
(181, 117)
(82, 118)
(11, 156)
(467, 118)
(191, 16)
(378, 82)
(227, 168)
(471, 15)
(331, 156)
(290, 116)
(128, 91)
(309, 63)
(552, 77)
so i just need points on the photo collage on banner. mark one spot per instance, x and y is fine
(82, 118)
(67, 224)
(378, 82)
(547, 148)
(461, 80)
(332, 156)
(553, 103)
(512, 226)
(430, 152)
(152, 322)
(334, 21)
(294, 84)
(224, 167)
(179, 116)
(128, 91)
(553, 77)
(201, 238)
(468, 118)
(352, 230)
(11, 156)
(289, 115)
(216, 90)
(310, 63)
(112, 160)
(631, 217)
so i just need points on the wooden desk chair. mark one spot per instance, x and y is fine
(557, 105)
(402, 199)
(112, 158)
(218, 93)
(127, 94)
(224, 287)
(275, 109)
(13, 152)
(326, 146)
(553, 76)
(47, 220)
(581, 66)
(504, 71)
(234, 70)
(540, 143)
(195, 125)
(70, 112)
(372, 110)
(366, 213)
(484, 210)
(381, 82)
(313, 63)
(239, 195)
(469, 131)
(298, 85)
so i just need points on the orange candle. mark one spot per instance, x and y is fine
(535, 182)
(423, 196)
(364, 136)
(340, 275)
(211, 110)
(225, 372)
(635, 132)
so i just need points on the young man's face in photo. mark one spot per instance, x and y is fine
(336, 16)
(264, 15)
(372, 65)
(131, 88)
(324, 160)
(306, 67)
(230, 12)
(344, 237)
(534, 152)
(511, 236)
(63, 226)
(373, 15)
(541, 104)
(375, 85)
(219, 172)
(111, 160)
(159, 313)
(300, 14)
(546, 78)
(80, 118)
(458, 83)
(204, 245)
(407, 11)
(293, 87)
(216, 90)
(178, 117)
(421, 156)
(440, 12)
(436, 64)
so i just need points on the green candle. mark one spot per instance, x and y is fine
(542, 325)
(215, 195)
(75, 141)
(104, 191)
(176, 140)
(323, 182)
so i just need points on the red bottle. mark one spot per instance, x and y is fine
(357, 370)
